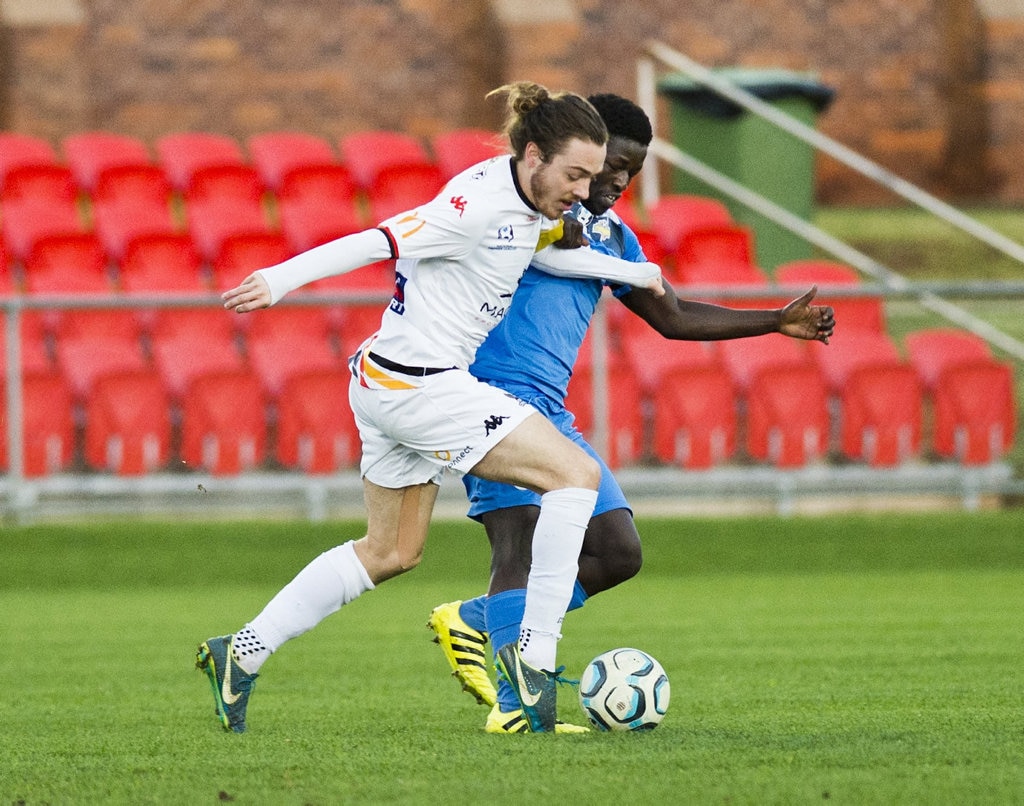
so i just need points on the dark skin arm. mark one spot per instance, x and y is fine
(689, 320)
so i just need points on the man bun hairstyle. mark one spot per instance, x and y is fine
(536, 115)
(623, 117)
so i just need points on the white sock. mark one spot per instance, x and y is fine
(557, 540)
(333, 579)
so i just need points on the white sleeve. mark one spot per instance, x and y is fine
(335, 257)
(591, 264)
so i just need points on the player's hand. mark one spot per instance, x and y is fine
(801, 320)
(572, 235)
(656, 285)
(251, 295)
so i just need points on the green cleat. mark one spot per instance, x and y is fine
(231, 684)
(534, 688)
(499, 721)
(463, 648)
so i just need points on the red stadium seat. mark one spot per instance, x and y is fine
(880, 415)
(625, 421)
(365, 153)
(48, 426)
(306, 224)
(316, 432)
(744, 358)
(458, 149)
(695, 418)
(319, 184)
(232, 183)
(277, 154)
(289, 341)
(181, 154)
(40, 185)
(118, 223)
(35, 352)
(89, 154)
(18, 150)
(357, 324)
(652, 355)
(223, 423)
(191, 342)
(161, 263)
(867, 313)
(68, 264)
(397, 188)
(848, 350)
(787, 415)
(85, 355)
(975, 411)
(934, 350)
(24, 224)
(722, 246)
(241, 254)
(675, 214)
(212, 222)
(128, 424)
(132, 184)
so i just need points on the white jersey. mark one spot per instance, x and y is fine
(460, 258)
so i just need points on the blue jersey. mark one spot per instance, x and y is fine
(532, 351)
(535, 345)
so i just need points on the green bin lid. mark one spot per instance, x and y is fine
(768, 85)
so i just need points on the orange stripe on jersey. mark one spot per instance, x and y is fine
(380, 377)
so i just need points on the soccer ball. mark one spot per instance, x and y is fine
(624, 689)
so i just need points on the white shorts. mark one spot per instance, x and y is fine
(448, 422)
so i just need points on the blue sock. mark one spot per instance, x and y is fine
(579, 597)
(504, 618)
(473, 612)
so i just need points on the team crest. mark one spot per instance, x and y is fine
(505, 233)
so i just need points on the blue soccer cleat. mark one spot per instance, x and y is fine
(534, 688)
(231, 684)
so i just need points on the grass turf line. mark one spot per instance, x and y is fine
(856, 659)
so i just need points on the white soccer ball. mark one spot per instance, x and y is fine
(624, 689)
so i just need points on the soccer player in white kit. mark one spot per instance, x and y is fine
(420, 412)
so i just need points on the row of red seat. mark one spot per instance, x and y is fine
(105, 191)
(791, 403)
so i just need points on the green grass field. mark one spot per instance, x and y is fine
(855, 659)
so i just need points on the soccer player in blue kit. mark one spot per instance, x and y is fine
(531, 354)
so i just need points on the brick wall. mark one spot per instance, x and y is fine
(920, 83)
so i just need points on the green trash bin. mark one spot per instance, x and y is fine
(749, 149)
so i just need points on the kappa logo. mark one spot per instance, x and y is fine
(493, 422)
(459, 203)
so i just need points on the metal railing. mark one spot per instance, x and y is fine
(891, 281)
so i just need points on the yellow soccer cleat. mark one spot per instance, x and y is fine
(514, 722)
(465, 650)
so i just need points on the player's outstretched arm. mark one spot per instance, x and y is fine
(587, 263)
(690, 320)
(335, 257)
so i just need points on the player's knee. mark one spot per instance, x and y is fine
(628, 562)
(585, 473)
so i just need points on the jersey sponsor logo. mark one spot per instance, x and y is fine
(459, 203)
(494, 311)
(409, 225)
(453, 460)
(506, 237)
(397, 303)
(601, 229)
(492, 422)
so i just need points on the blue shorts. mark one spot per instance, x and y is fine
(486, 496)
